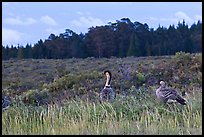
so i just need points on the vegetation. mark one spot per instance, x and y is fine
(131, 115)
(121, 39)
(61, 96)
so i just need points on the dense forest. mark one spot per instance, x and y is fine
(121, 39)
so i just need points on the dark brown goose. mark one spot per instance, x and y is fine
(165, 94)
(107, 93)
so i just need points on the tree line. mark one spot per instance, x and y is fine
(120, 39)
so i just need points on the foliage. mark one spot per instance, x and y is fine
(83, 78)
(182, 56)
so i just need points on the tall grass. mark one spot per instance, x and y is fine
(126, 115)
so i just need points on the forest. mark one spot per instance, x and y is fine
(121, 39)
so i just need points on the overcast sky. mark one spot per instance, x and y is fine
(28, 22)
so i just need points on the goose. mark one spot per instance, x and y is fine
(166, 94)
(107, 92)
(6, 101)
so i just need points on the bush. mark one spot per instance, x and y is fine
(182, 56)
(36, 97)
(140, 78)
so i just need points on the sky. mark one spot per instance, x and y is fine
(28, 22)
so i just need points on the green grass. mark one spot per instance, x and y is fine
(124, 116)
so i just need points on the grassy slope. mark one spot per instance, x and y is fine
(71, 86)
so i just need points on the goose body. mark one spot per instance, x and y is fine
(107, 93)
(166, 94)
(6, 101)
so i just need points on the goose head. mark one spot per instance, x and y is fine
(108, 77)
(162, 83)
(107, 73)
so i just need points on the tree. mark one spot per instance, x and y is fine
(20, 52)
(120, 39)
(100, 42)
(39, 50)
(134, 46)
(147, 49)
(188, 45)
(77, 46)
(28, 51)
(13, 52)
(4, 53)
(123, 31)
(52, 37)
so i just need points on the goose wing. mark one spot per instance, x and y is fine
(172, 94)
(168, 93)
(5, 103)
(107, 93)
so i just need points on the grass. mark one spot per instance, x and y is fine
(123, 116)
(61, 96)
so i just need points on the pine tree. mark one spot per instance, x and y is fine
(20, 53)
(147, 49)
(134, 46)
(188, 45)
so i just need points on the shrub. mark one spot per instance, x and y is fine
(182, 56)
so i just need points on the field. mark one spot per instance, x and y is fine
(61, 96)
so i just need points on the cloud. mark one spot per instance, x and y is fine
(173, 20)
(79, 13)
(198, 17)
(160, 20)
(87, 22)
(29, 21)
(19, 21)
(88, 13)
(153, 18)
(183, 16)
(83, 13)
(54, 31)
(48, 20)
(10, 36)
(178, 16)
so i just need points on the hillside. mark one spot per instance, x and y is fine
(69, 78)
(61, 96)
